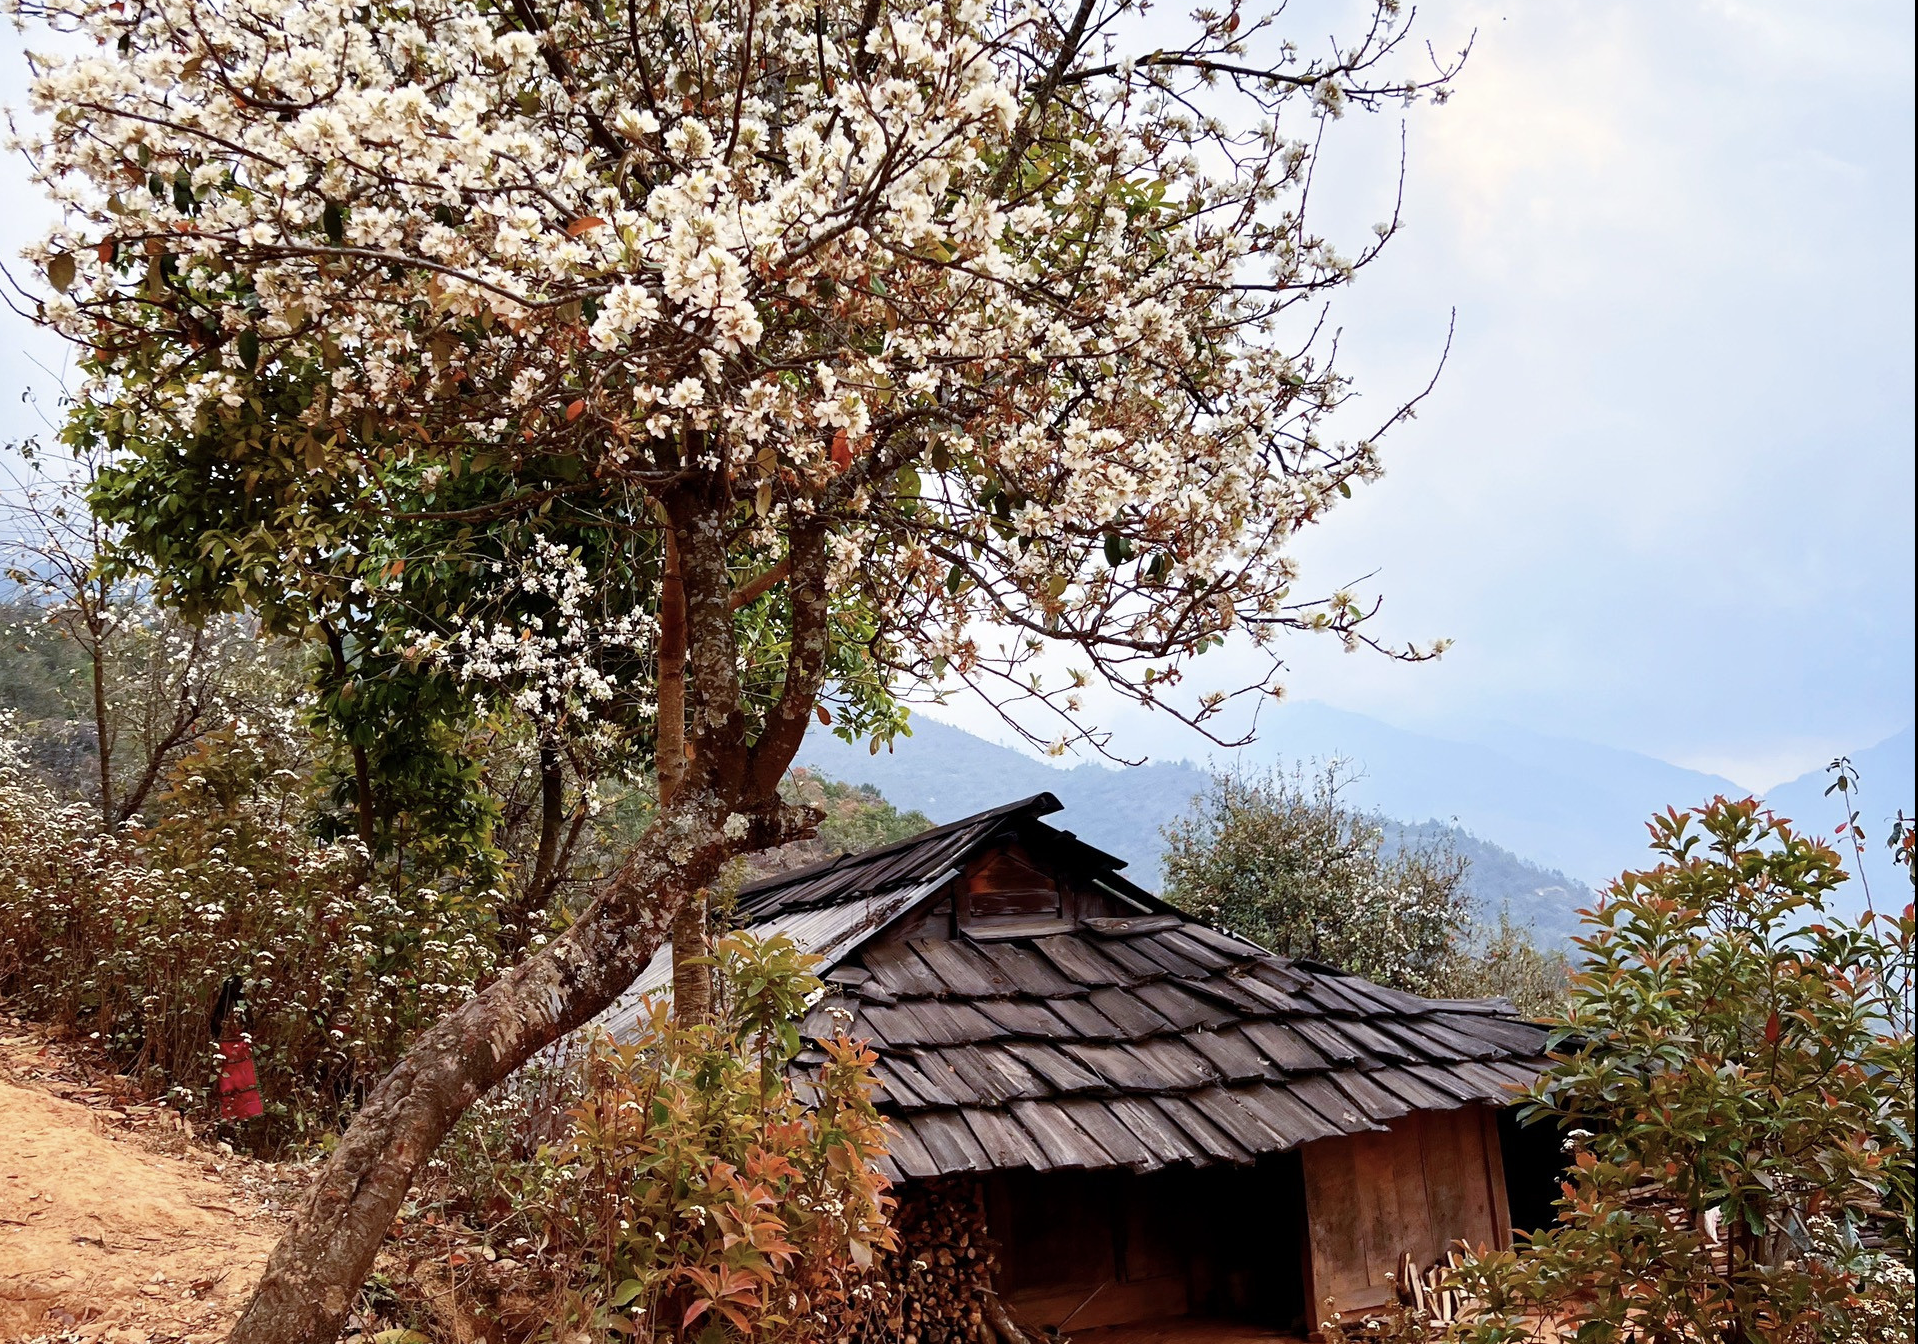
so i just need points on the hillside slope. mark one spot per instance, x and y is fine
(947, 773)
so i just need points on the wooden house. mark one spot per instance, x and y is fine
(1165, 1121)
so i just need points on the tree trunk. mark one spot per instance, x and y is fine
(317, 1268)
(362, 769)
(102, 733)
(552, 816)
(692, 984)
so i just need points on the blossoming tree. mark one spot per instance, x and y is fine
(827, 341)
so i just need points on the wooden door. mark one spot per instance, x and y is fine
(1432, 1178)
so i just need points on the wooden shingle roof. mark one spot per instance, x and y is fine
(1139, 1042)
(1139, 1039)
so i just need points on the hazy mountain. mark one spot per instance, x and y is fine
(947, 774)
(1562, 803)
(1545, 820)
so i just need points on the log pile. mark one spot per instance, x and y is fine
(941, 1279)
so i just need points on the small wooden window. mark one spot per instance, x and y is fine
(1005, 885)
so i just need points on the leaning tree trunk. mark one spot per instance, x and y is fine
(316, 1270)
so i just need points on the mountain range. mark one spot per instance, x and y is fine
(1544, 820)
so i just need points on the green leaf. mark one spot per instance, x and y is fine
(249, 347)
(626, 1292)
(333, 220)
(60, 271)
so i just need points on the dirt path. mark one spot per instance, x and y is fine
(113, 1226)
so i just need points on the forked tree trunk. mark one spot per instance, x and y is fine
(314, 1274)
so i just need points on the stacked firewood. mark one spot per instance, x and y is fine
(941, 1278)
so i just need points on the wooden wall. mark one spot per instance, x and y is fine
(1434, 1177)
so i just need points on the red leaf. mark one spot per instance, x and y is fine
(824, 716)
(841, 451)
(573, 412)
(1771, 1030)
(584, 225)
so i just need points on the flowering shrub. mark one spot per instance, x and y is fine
(694, 1184)
(130, 935)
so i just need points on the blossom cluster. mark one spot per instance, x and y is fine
(1028, 359)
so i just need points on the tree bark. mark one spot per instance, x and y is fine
(692, 983)
(102, 736)
(315, 1271)
(362, 769)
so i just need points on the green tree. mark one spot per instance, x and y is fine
(1285, 861)
(1736, 1066)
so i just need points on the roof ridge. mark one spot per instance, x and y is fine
(1038, 805)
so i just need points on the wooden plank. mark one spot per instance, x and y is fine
(896, 1024)
(962, 971)
(1495, 1178)
(1338, 1109)
(1122, 953)
(1216, 1143)
(1063, 1142)
(1285, 1115)
(1337, 1227)
(907, 1150)
(1273, 999)
(1014, 1077)
(1227, 990)
(1224, 943)
(1087, 1022)
(1441, 1077)
(1404, 1202)
(948, 1138)
(948, 1023)
(1175, 1065)
(1127, 1011)
(1122, 926)
(1117, 1066)
(1232, 1055)
(1061, 1072)
(927, 1085)
(1166, 1142)
(983, 1086)
(1370, 1037)
(1182, 1008)
(1375, 1101)
(1454, 1155)
(1006, 1143)
(1328, 1040)
(1026, 1017)
(1289, 1051)
(1412, 1090)
(1078, 962)
(1512, 1038)
(1192, 949)
(1247, 1130)
(1092, 1116)
(1032, 973)
(1155, 949)
(896, 967)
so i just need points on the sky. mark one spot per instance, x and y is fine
(1661, 498)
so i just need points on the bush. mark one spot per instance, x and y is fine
(1282, 860)
(1736, 1066)
(692, 1191)
(129, 936)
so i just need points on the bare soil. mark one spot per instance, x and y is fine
(115, 1224)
